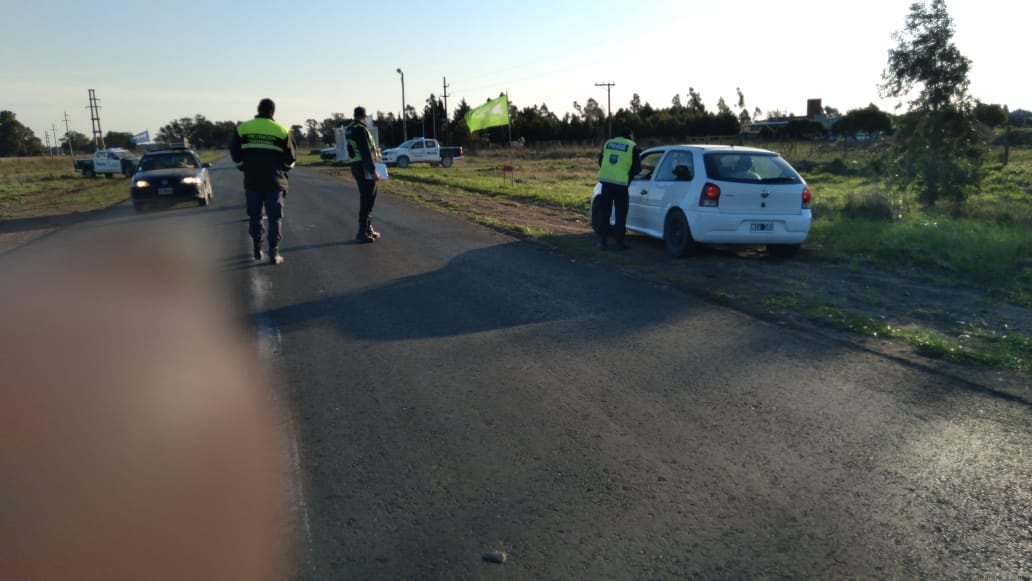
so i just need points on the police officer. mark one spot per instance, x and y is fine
(264, 150)
(363, 159)
(618, 162)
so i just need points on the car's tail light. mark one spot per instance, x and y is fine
(806, 198)
(710, 196)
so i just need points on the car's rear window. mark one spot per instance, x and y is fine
(750, 167)
(168, 161)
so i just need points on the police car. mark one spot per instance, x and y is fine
(688, 195)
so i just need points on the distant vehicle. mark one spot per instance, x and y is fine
(328, 153)
(421, 150)
(171, 175)
(687, 195)
(109, 162)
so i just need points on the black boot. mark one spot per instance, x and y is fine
(274, 256)
(363, 232)
(258, 256)
(371, 232)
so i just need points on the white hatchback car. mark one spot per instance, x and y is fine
(717, 194)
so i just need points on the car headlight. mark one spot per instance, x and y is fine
(142, 184)
(192, 181)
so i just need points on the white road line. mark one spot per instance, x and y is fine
(269, 348)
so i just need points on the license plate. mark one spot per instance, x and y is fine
(169, 191)
(761, 227)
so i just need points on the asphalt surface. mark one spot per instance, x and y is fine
(455, 392)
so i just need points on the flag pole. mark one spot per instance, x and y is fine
(512, 162)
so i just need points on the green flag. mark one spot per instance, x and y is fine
(490, 114)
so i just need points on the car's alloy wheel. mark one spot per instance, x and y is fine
(88, 173)
(446, 161)
(677, 235)
(402, 161)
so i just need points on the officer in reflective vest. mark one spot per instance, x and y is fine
(363, 158)
(618, 162)
(264, 150)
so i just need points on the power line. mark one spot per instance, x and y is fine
(609, 104)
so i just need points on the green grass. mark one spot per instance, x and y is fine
(562, 183)
(978, 345)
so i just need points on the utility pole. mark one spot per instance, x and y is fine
(98, 135)
(53, 128)
(49, 149)
(609, 104)
(444, 95)
(1006, 139)
(68, 135)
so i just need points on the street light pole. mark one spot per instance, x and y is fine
(609, 104)
(404, 121)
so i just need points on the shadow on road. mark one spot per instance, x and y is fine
(483, 290)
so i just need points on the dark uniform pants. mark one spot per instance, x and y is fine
(613, 194)
(367, 197)
(272, 202)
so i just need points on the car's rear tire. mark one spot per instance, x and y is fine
(89, 173)
(782, 250)
(677, 235)
(447, 161)
(107, 175)
(403, 162)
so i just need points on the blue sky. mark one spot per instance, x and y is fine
(152, 62)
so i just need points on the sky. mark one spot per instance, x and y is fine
(153, 62)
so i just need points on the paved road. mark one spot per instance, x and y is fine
(456, 392)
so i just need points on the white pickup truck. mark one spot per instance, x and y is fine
(109, 162)
(421, 150)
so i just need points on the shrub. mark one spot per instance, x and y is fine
(868, 205)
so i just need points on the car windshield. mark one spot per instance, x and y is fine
(168, 161)
(408, 144)
(754, 167)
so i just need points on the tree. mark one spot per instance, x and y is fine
(695, 104)
(743, 111)
(312, 135)
(937, 152)
(870, 120)
(676, 102)
(635, 104)
(722, 108)
(990, 115)
(328, 128)
(17, 139)
(177, 131)
(297, 133)
(77, 141)
(119, 139)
